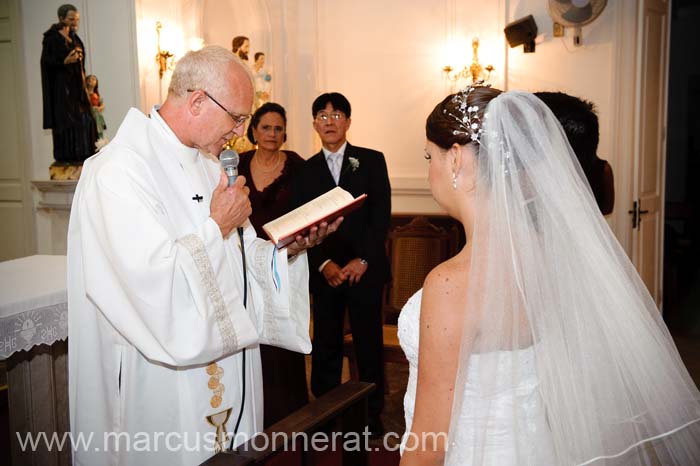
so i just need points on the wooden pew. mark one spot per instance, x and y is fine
(346, 404)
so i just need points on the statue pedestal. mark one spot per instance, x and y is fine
(53, 203)
(64, 172)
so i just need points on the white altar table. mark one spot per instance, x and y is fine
(33, 333)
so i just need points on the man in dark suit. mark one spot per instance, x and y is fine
(350, 268)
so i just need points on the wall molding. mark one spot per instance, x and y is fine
(410, 186)
(55, 194)
(411, 195)
(58, 186)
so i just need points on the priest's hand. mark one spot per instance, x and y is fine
(354, 270)
(333, 274)
(316, 235)
(230, 206)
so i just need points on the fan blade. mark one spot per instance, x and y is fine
(578, 15)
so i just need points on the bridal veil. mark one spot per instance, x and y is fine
(549, 276)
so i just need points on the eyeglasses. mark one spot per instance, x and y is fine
(237, 118)
(323, 117)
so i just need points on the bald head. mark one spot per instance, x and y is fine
(209, 94)
(211, 68)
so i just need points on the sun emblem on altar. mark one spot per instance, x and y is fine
(27, 325)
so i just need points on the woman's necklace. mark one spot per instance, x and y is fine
(270, 169)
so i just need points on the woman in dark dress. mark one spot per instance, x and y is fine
(269, 172)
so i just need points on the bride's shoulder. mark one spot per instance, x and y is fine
(449, 275)
(445, 287)
(443, 313)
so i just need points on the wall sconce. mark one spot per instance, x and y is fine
(475, 71)
(164, 58)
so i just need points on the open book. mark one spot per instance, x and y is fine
(325, 208)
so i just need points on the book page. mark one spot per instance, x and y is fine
(309, 213)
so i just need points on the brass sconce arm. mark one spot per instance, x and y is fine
(163, 57)
(475, 72)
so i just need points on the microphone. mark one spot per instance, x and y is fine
(229, 162)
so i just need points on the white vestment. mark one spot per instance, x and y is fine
(156, 315)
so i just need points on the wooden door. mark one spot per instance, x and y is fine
(650, 153)
(16, 227)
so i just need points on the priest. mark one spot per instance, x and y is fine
(164, 367)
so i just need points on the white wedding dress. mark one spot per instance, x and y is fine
(487, 434)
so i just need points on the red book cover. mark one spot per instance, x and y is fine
(288, 237)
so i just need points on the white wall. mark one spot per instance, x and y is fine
(558, 65)
(181, 21)
(386, 57)
(285, 30)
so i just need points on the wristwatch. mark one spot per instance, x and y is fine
(363, 262)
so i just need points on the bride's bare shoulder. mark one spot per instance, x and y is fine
(445, 287)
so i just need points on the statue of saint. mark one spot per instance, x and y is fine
(67, 109)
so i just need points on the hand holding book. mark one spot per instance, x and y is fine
(326, 208)
(315, 236)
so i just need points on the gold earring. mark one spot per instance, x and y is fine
(454, 180)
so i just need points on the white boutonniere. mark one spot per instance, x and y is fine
(354, 163)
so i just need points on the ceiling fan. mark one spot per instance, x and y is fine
(575, 14)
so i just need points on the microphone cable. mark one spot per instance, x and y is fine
(245, 303)
(229, 163)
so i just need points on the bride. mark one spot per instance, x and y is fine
(537, 344)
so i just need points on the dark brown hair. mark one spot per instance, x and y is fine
(269, 107)
(237, 43)
(63, 10)
(579, 120)
(440, 125)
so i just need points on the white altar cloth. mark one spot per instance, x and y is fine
(33, 303)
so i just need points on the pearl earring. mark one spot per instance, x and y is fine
(454, 180)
